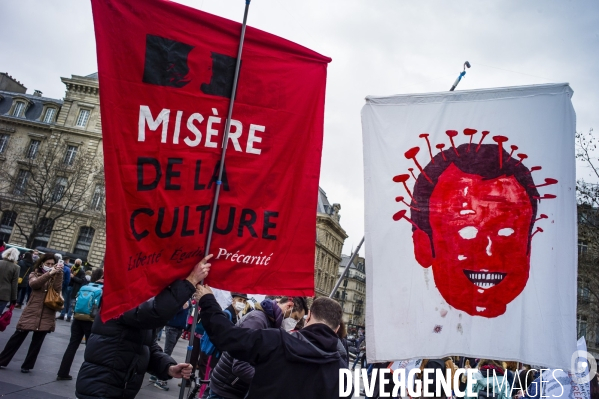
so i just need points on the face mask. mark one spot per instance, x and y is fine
(239, 306)
(46, 268)
(289, 324)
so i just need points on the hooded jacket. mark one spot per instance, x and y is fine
(231, 378)
(120, 351)
(281, 360)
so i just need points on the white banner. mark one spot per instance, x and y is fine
(471, 225)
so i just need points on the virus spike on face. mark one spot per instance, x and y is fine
(402, 215)
(471, 133)
(522, 158)
(538, 230)
(452, 134)
(514, 148)
(484, 133)
(546, 196)
(412, 173)
(440, 148)
(403, 179)
(411, 154)
(428, 143)
(500, 140)
(548, 182)
(534, 168)
(402, 200)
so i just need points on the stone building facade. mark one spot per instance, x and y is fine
(29, 123)
(329, 243)
(587, 309)
(352, 291)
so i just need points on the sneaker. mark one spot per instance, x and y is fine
(25, 371)
(153, 378)
(64, 378)
(68, 319)
(161, 385)
(17, 306)
(60, 318)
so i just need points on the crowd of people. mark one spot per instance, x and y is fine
(240, 352)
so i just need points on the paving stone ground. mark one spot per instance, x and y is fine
(41, 382)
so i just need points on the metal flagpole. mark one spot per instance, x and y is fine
(218, 184)
(353, 256)
(460, 76)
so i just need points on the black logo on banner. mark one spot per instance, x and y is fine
(166, 62)
(223, 73)
(166, 65)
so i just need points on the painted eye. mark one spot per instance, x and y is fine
(506, 232)
(468, 232)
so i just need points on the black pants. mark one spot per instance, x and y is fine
(78, 330)
(15, 342)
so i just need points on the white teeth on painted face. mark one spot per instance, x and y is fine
(484, 280)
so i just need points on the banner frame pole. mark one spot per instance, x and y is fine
(351, 260)
(218, 185)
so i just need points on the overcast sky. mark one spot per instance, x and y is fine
(378, 47)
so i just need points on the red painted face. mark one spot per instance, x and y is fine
(480, 236)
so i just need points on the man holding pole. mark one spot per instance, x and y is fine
(282, 359)
(120, 351)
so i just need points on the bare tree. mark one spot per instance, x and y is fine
(587, 191)
(51, 184)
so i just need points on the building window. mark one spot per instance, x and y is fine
(3, 142)
(84, 241)
(34, 146)
(6, 224)
(69, 156)
(582, 247)
(581, 326)
(21, 184)
(49, 117)
(98, 198)
(59, 188)
(43, 233)
(82, 118)
(18, 110)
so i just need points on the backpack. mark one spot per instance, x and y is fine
(88, 302)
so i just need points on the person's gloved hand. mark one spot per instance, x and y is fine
(181, 370)
(200, 271)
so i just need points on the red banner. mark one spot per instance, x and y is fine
(166, 74)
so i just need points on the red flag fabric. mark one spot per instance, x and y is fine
(166, 73)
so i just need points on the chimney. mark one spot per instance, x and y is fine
(37, 93)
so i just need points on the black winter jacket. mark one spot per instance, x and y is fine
(120, 351)
(231, 378)
(77, 281)
(280, 359)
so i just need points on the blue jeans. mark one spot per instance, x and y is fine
(3, 306)
(67, 302)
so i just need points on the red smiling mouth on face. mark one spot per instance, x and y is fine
(484, 280)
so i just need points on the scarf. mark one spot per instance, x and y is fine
(75, 269)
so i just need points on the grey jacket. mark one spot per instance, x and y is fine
(9, 280)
